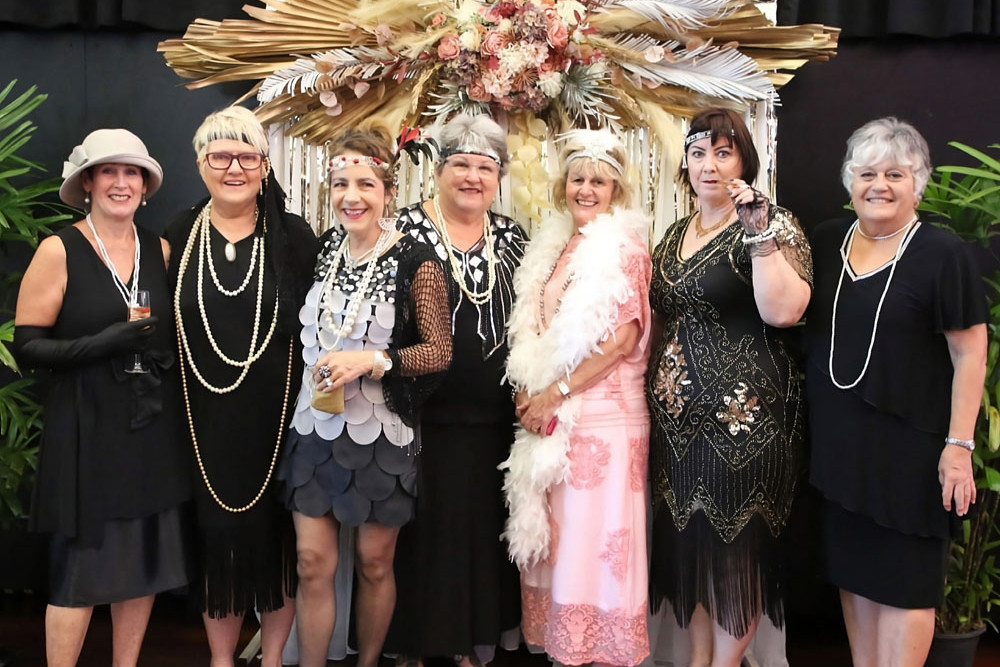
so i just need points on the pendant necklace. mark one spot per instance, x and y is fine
(845, 251)
(128, 295)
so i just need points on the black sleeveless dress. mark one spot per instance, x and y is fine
(112, 472)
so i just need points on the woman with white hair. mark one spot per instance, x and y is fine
(240, 267)
(112, 470)
(457, 590)
(897, 351)
(576, 480)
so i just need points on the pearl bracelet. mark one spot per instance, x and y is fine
(964, 444)
(766, 235)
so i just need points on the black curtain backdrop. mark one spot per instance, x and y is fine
(878, 18)
(170, 15)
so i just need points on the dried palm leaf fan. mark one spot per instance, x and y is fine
(631, 65)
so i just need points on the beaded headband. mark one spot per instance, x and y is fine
(595, 145)
(344, 161)
(698, 136)
(595, 154)
(446, 153)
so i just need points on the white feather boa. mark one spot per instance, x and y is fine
(584, 320)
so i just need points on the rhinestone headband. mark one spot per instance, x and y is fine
(448, 152)
(698, 136)
(596, 154)
(344, 161)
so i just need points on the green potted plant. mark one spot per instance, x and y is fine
(25, 215)
(968, 199)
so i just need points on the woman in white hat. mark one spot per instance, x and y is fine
(112, 468)
(240, 267)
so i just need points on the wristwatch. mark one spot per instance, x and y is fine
(563, 388)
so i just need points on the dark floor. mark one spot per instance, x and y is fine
(175, 637)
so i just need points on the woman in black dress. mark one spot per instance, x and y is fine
(375, 334)
(112, 472)
(240, 265)
(724, 396)
(458, 590)
(897, 359)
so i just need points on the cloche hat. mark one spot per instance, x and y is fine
(101, 147)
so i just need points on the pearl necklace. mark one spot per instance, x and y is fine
(354, 306)
(127, 295)
(477, 298)
(845, 251)
(277, 444)
(885, 236)
(562, 293)
(204, 223)
(254, 353)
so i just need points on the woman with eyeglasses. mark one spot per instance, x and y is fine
(240, 265)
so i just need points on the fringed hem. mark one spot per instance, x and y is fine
(577, 634)
(735, 582)
(245, 570)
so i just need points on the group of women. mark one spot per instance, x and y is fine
(409, 374)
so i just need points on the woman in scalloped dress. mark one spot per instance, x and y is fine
(375, 324)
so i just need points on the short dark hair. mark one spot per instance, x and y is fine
(725, 123)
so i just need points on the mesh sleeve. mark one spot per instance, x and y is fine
(792, 242)
(429, 299)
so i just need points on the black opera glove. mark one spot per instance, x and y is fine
(754, 215)
(34, 347)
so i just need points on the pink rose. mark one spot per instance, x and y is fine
(493, 43)
(438, 20)
(492, 15)
(557, 34)
(476, 91)
(449, 47)
(506, 8)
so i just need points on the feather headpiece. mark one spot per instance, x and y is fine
(594, 145)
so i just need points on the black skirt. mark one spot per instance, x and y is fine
(137, 557)
(882, 564)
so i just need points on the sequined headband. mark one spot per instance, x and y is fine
(446, 153)
(698, 136)
(344, 161)
(596, 154)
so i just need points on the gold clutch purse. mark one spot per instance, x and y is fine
(328, 401)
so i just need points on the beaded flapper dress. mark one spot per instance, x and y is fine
(360, 465)
(727, 417)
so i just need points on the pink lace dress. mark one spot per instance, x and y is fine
(587, 602)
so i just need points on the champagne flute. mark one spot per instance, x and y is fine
(139, 309)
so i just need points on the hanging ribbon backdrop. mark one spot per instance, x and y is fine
(539, 67)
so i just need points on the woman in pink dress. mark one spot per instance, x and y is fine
(576, 478)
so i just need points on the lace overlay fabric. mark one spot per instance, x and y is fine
(509, 242)
(723, 387)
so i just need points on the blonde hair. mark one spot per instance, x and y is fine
(620, 196)
(235, 123)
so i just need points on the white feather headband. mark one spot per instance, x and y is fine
(594, 145)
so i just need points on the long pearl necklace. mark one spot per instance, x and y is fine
(477, 298)
(354, 306)
(845, 251)
(258, 243)
(128, 295)
(255, 352)
(885, 236)
(541, 293)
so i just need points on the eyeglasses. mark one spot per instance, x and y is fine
(224, 160)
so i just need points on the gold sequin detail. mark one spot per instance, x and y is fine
(739, 410)
(671, 379)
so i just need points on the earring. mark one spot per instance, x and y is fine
(684, 161)
(385, 224)
(143, 202)
(86, 199)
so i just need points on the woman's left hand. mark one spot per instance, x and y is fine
(751, 207)
(539, 410)
(342, 367)
(955, 475)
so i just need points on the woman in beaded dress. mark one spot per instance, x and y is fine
(576, 476)
(896, 347)
(240, 270)
(112, 465)
(458, 590)
(375, 323)
(724, 395)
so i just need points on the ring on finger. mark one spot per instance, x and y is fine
(324, 372)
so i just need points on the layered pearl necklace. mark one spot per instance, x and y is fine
(128, 295)
(354, 305)
(200, 231)
(845, 252)
(886, 236)
(477, 298)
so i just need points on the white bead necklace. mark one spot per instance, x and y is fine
(128, 295)
(885, 236)
(254, 353)
(845, 251)
(205, 224)
(541, 293)
(354, 306)
(477, 298)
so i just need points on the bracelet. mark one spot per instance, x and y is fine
(378, 366)
(563, 388)
(766, 235)
(964, 444)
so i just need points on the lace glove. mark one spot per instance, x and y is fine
(34, 348)
(753, 210)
